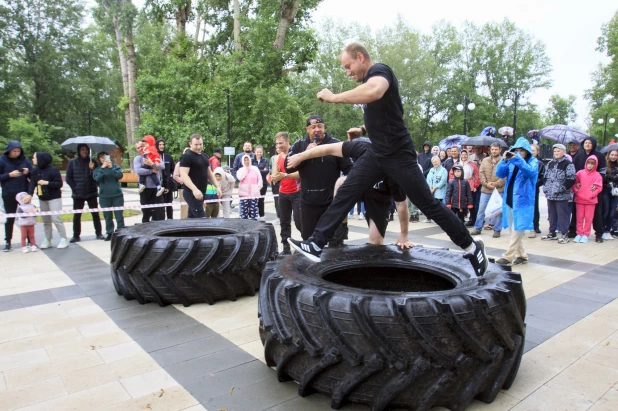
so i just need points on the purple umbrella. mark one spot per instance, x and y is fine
(451, 141)
(563, 134)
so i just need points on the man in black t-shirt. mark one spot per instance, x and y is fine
(392, 155)
(377, 199)
(195, 172)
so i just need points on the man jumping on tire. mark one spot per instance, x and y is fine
(392, 155)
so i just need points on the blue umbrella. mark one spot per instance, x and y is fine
(563, 134)
(489, 131)
(451, 141)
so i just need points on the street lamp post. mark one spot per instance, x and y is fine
(508, 102)
(604, 121)
(467, 105)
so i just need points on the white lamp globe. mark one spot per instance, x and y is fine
(471, 106)
(508, 102)
(460, 107)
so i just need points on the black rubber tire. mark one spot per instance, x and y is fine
(391, 347)
(192, 260)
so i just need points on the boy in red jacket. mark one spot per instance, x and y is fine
(458, 194)
(588, 186)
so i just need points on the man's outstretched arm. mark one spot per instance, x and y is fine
(366, 93)
(319, 151)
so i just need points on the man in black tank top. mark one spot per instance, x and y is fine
(393, 155)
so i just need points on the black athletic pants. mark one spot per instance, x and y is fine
(261, 201)
(289, 206)
(311, 214)
(537, 214)
(168, 198)
(149, 196)
(10, 206)
(78, 204)
(403, 168)
(195, 208)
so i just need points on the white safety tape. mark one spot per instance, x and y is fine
(129, 207)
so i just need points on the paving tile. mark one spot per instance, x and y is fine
(536, 335)
(213, 384)
(171, 398)
(106, 373)
(96, 287)
(70, 292)
(10, 302)
(313, 402)
(32, 393)
(609, 401)
(208, 364)
(22, 359)
(36, 298)
(38, 341)
(252, 397)
(52, 368)
(2, 383)
(605, 353)
(154, 381)
(120, 351)
(93, 398)
(166, 337)
(112, 301)
(548, 399)
(585, 379)
(188, 351)
(83, 344)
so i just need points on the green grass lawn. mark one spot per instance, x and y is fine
(67, 218)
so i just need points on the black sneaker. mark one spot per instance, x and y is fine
(520, 260)
(307, 248)
(108, 237)
(100, 237)
(470, 223)
(478, 258)
(550, 236)
(75, 239)
(7, 247)
(598, 239)
(537, 230)
(286, 250)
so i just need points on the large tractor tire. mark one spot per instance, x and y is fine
(389, 328)
(192, 260)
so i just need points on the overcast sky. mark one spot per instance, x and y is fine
(569, 29)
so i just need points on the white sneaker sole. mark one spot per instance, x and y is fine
(303, 252)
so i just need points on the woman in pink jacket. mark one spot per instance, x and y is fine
(588, 186)
(249, 186)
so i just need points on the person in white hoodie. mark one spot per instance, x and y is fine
(226, 182)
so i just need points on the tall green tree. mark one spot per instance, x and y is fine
(561, 110)
(60, 66)
(603, 96)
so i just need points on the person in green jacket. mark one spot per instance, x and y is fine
(107, 176)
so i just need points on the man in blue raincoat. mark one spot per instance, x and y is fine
(520, 169)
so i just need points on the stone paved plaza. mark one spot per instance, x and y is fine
(69, 342)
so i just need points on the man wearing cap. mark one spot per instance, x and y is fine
(318, 175)
(559, 178)
(215, 160)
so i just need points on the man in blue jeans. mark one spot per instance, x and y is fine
(489, 182)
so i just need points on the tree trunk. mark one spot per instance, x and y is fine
(132, 74)
(237, 45)
(125, 80)
(198, 24)
(182, 16)
(287, 14)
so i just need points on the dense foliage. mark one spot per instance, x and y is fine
(270, 59)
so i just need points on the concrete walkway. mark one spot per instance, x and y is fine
(68, 341)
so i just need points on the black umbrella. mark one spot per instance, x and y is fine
(484, 141)
(609, 148)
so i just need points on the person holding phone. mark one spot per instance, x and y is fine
(108, 176)
(14, 173)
